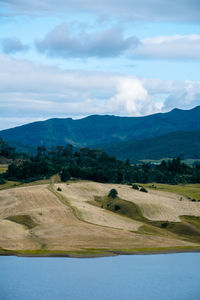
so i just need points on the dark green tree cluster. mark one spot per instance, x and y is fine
(6, 151)
(96, 165)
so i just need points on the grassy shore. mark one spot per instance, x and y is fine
(92, 253)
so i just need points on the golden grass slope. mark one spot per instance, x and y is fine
(155, 205)
(67, 221)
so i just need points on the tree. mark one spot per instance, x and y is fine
(143, 190)
(113, 193)
(135, 187)
(65, 175)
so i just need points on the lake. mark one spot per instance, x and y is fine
(134, 277)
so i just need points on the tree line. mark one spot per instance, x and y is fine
(95, 165)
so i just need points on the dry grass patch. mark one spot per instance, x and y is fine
(59, 229)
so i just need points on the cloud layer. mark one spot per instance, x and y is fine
(111, 42)
(169, 47)
(41, 92)
(151, 10)
(106, 43)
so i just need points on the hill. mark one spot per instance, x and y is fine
(97, 129)
(177, 144)
(81, 220)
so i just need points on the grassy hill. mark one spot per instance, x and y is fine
(79, 219)
(97, 129)
(177, 144)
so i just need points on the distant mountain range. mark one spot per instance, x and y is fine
(135, 137)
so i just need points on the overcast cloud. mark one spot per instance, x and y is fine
(150, 10)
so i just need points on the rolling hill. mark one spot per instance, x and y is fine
(96, 130)
(81, 220)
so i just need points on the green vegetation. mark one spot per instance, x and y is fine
(113, 193)
(98, 130)
(122, 207)
(87, 252)
(177, 144)
(143, 190)
(191, 191)
(25, 220)
(95, 165)
(187, 229)
(3, 168)
(135, 187)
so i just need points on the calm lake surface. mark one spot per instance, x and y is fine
(162, 277)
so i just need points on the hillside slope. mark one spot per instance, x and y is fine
(96, 129)
(176, 144)
(40, 220)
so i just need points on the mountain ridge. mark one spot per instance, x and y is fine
(102, 129)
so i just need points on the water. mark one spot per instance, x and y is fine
(136, 277)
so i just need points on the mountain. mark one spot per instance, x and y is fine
(98, 129)
(176, 144)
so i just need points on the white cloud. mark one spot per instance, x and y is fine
(187, 97)
(133, 99)
(42, 92)
(168, 47)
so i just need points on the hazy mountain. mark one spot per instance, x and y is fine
(97, 129)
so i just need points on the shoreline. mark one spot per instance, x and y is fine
(96, 253)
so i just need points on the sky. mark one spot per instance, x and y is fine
(74, 58)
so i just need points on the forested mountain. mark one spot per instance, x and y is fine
(176, 144)
(97, 130)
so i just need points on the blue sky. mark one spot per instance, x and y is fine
(76, 58)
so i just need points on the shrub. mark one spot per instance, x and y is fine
(2, 181)
(59, 189)
(135, 187)
(143, 190)
(117, 207)
(165, 224)
(113, 193)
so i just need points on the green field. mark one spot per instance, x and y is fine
(189, 161)
(3, 168)
(191, 191)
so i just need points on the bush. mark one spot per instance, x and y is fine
(135, 187)
(2, 181)
(165, 224)
(143, 190)
(59, 189)
(113, 193)
(117, 207)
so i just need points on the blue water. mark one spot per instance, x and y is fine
(136, 277)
